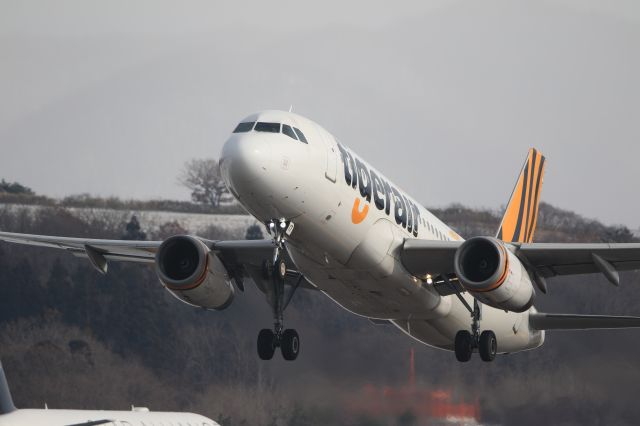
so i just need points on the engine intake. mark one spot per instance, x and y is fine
(192, 273)
(482, 262)
(493, 274)
(181, 261)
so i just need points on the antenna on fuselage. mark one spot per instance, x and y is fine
(291, 108)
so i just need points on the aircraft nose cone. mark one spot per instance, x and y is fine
(245, 159)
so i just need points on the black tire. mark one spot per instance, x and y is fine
(488, 346)
(463, 345)
(266, 344)
(290, 345)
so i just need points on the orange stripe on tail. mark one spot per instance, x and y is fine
(521, 215)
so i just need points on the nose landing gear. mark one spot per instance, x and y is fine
(276, 272)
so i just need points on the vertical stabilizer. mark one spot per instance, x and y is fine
(519, 221)
(6, 402)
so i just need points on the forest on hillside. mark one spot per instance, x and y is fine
(73, 338)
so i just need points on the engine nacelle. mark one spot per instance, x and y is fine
(193, 273)
(493, 274)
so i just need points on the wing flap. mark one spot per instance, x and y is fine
(542, 321)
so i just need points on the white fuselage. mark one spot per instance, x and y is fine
(350, 223)
(45, 417)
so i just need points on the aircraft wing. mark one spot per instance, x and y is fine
(551, 259)
(236, 252)
(124, 250)
(421, 257)
(242, 258)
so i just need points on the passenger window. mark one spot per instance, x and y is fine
(267, 127)
(244, 127)
(300, 135)
(287, 130)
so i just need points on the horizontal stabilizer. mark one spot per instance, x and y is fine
(541, 321)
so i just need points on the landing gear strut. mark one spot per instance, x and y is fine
(466, 342)
(276, 272)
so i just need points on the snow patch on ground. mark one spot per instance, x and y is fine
(151, 220)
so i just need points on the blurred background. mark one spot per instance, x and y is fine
(105, 106)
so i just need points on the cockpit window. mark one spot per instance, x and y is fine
(300, 135)
(287, 130)
(244, 127)
(267, 127)
(261, 126)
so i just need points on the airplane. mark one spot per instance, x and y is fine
(138, 416)
(339, 226)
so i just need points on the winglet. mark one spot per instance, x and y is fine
(519, 221)
(6, 402)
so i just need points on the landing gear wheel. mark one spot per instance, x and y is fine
(282, 269)
(276, 276)
(463, 345)
(266, 344)
(290, 345)
(488, 346)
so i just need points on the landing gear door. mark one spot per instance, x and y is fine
(332, 163)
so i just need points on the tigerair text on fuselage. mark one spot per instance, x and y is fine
(371, 185)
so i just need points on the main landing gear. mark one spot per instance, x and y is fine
(466, 342)
(276, 273)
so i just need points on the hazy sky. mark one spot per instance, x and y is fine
(444, 97)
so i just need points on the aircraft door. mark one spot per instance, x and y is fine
(332, 163)
(331, 167)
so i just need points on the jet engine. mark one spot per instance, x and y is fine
(193, 273)
(493, 274)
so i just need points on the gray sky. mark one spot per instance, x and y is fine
(444, 97)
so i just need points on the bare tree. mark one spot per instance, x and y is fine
(15, 188)
(202, 177)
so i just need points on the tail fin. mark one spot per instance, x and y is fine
(519, 221)
(6, 402)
